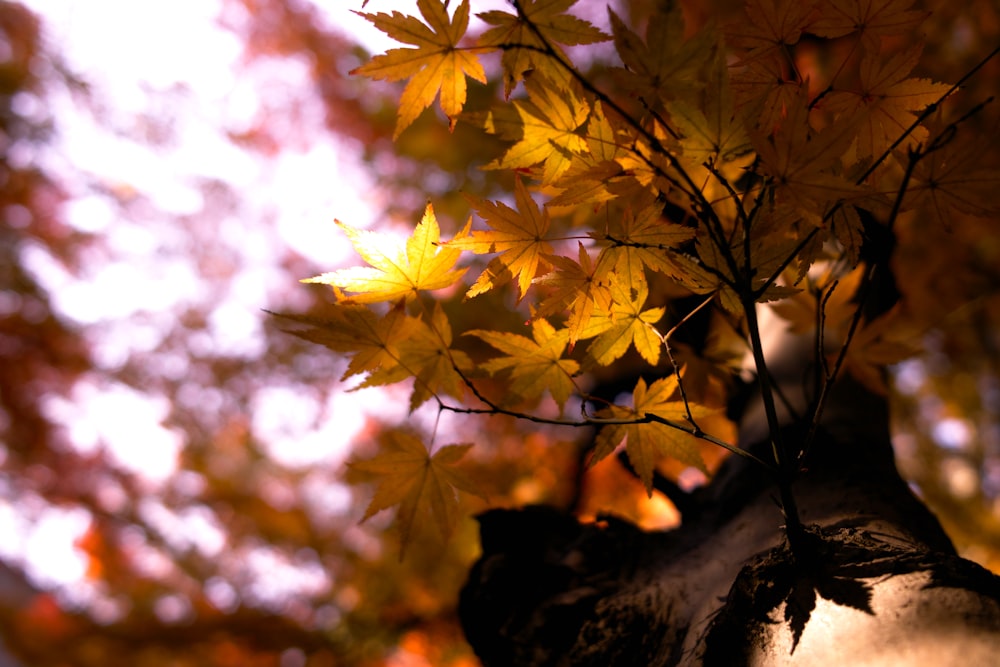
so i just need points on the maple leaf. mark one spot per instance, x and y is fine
(649, 162)
(879, 343)
(664, 65)
(886, 100)
(836, 298)
(577, 287)
(534, 365)
(953, 178)
(397, 269)
(645, 239)
(848, 229)
(517, 234)
(550, 120)
(589, 177)
(770, 26)
(871, 19)
(805, 166)
(426, 355)
(713, 146)
(437, 64)
(350, 329)
(769, 251)
(526, 37)
(417, 482)
(625, 324)
(711, 131)
(648, 442)
(765, 90)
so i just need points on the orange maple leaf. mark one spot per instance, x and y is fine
(871, 19)
(804, 165)
(437, 64)
(397, 270)
(886, 101)
(770, 27)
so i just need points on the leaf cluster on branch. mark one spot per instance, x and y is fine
(728, 165)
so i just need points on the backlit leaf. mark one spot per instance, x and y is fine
(373, 340)
(626, 324)
(518, 235)
(524, 38)
(437, 64)
(646, 443)
(426, 355)
(551, 120)
(576, 288)
(885, 101)
(396, 269)
(535, 364)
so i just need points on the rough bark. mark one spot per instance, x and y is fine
(873, 581)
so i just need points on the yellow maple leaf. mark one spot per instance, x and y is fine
(397, 269)
(885, 101)
(373, 340)
(625, 324)
(426, 355)
(648, 442)
(645, 240)
(519, 235)
(536, 363)
(437, 64)
(417, 482)
(577, 288)
(589, 176)
(550, 120)
(526, 37)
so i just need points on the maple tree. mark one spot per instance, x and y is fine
(587, 244)
(696, 181)
(722, 165)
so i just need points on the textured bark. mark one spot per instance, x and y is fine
(875, 581)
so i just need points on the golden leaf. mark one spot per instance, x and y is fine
(647, 442)
(397, 269)
(437, 64)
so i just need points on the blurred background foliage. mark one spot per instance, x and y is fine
(172, 488)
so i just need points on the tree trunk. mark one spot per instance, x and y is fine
(873, 580)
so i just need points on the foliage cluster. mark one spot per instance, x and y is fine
(725, 167)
